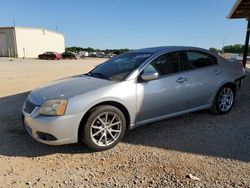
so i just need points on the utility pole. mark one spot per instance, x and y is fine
(246, 44)
(14, 22)
(223, 44)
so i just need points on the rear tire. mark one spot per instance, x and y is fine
(224, 100)
(104, 128)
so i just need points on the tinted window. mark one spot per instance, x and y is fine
(199, 59)
(166, 64)
(119, 67)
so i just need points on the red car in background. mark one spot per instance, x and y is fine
(50, 56)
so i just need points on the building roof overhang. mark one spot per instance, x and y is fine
(241, 9)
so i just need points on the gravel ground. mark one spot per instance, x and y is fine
(216, 149)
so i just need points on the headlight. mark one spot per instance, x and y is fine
(55, 107)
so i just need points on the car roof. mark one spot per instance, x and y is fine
(69, 52)
(167, 48)
(49, 52)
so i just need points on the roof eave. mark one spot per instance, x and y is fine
(237, 3)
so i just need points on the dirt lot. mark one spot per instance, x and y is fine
(19, 75)
(216, 149)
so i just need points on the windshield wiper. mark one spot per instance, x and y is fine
(98, 75)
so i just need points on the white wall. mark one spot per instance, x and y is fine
(31, 42)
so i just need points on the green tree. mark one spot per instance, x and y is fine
(74, 49)
(89, 49)
(215, 50)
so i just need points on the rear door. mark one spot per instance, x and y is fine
(166, 95)
(205, 77)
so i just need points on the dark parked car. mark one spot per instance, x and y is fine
(69, 55)
(50, 55)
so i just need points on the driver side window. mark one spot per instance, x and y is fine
(165, 64)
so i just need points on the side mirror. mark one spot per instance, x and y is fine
(147, 76)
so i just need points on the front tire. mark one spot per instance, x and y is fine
(224, 100)
(104, 128)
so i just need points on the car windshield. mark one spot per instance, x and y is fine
(119, 67)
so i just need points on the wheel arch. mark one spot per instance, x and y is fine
(118, 105)
(214, 107)
(232, 84)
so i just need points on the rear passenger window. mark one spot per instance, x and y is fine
(199, 59)
(165, 64)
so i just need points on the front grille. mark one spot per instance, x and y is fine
(29, 107)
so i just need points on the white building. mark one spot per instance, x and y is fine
(28, 42)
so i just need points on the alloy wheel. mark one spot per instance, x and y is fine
(225, 99)
(106, 129)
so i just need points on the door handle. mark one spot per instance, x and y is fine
(217, 71)
(181, 80)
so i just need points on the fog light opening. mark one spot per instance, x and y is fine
(46, 136)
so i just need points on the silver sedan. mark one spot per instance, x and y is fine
(132, 89)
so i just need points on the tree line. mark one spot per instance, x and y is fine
(236, 48)
(89, 49)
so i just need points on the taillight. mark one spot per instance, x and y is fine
(241, 63)
(243, 68)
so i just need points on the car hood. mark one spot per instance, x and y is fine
(67, 88)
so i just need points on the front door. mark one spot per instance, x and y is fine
(166, 95)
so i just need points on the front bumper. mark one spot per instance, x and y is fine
(52, 130)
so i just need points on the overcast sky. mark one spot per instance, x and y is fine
(130, 23)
